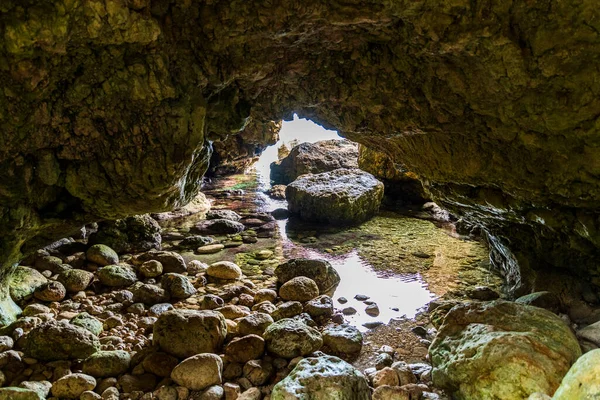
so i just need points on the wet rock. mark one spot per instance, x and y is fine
(102, 255)
(258, 372)
(246, 348)
(519, 350)
(342, 339)
(160, 364)
(130, 235)
(72, 386)
(321, 306)
(184, 333)
(372, 310)
(300, 288)
(117, 275)
(198, 372)
(194, 241)
(321, 378)
(547, 300)
(60, 341)
(581, 382)
(320, 271)
(149, 294)
(349, 311)
(51, 291)
(219, 227)
(223, 214)
(75, 280)
(151, 269)
(171, 261)
(178, 286)
(210, 248)
(224, 270)
(254, 324)
(281, 213)
(314, 158)
(288, 338)
(107, 363)
(86, 321)
(344, 196)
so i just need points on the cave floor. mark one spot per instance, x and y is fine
(400, 262)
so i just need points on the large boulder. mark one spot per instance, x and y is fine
(501, 350)
(60, 341)
(323, 378)
(582, 382)
(184, 333)
(320, 271)
(314, 158)
(342, 196)
(130, 235)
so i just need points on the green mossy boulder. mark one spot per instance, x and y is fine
(23, 283)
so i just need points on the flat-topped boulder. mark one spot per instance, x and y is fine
(314, 158)
(343, 196)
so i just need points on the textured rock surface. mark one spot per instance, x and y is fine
(501, 350)
(581, 382)
(133, 234)
(184, 333)
(107, 109)
(320, 271)
(314, 158)
(323, 378)
(60, 341)
(342, 196)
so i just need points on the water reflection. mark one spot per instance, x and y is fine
(396, 295)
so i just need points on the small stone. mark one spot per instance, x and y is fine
(149, 294)
(246, 348)
(251, 394)
(361, 297)
(196, 267)
(288, 309)
(160, 308)
(349, 311)
(6, 343)
(198, 372)
(263, 254)
(86, 321)
(258, 371)
(372, 310)
(232, 391)
(116, 275)
(51, 291)
(300, 289)
(72, 386)
(385, 376)
(160, 364)
(342, 339)
(107, 363)
(75, 280)
(372, 324)
(254, 324)
(214, 392)
(321, 306)
(383, 360)
(102, 255)
(178, 286)
(231, 311)
(224, 270)
(210, 248)
(151, 269)
(288, 338)
(342, 300)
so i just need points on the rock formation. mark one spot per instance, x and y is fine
(108, 108)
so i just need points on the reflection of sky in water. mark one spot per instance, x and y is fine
(404, 292)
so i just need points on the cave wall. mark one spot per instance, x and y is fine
(108, 107)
